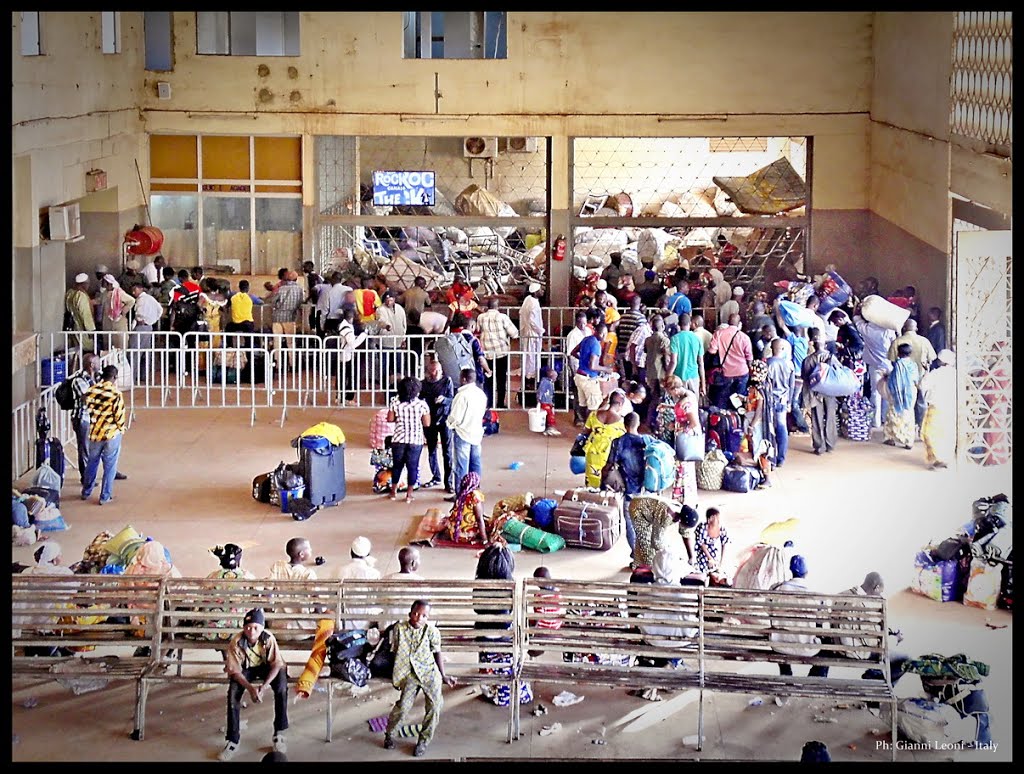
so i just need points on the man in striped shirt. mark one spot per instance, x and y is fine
(105, 406)
(285, 301)
(81, 381)
(496, 333)
(629, 322)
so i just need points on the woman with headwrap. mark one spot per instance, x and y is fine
(655, 519)
(900, 389)
(115, 306)
(466, 520)
(230, 556)
(601, 428)
(151, 559)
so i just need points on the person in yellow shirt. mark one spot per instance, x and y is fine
(367, 302)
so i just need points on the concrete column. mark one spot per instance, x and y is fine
(559, 272)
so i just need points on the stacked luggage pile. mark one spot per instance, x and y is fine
(315, 480)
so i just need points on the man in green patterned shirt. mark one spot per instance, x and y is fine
(418, 667)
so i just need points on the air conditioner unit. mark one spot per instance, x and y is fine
(479, 147)
(522, 144)
(65, 222)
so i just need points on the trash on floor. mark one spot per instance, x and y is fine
(566, 699)
(549, 730)
(757, 701)
(30, 702)
(598, 741)
(694, 740)
(540, 709)
(379, 725)
(823, 719)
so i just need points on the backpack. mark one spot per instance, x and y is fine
(659, 465)
(64, 394)
(454, 352)
(381, 658)
(351, 643)
(186, 312)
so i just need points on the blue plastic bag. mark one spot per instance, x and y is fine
(542, 512)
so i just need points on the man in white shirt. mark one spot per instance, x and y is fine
(877, 341)
(496, 333)
(147, 316)
(466, 421)
(579, 332)
(360, 568)
(335, 298)
(531, 331)
(730, 307)
(153, 271)
(409, 563)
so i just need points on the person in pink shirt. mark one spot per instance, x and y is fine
(735, 353)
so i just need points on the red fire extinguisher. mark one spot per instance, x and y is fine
(560, 248)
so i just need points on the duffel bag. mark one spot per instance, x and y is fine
(739, 478)
(532, 537)
(542, 512)
(261, 488)
(877, 310)
(833, 379)
(711, 470)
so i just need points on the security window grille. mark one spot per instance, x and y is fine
(247, 33)
(31, 38)
(981, 86)
(110, 32)
(454, 35)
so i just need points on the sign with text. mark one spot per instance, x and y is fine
(394, 187)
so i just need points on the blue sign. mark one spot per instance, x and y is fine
(393, 187)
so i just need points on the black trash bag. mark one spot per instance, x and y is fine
(351, 670)
(381, 659)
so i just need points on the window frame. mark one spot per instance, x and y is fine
(227, 17)
(418, 26)
(110, 32)
(31, 33)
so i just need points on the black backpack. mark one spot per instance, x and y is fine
(345, 645)
(65, 395)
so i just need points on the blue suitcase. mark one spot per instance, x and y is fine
(324, 473)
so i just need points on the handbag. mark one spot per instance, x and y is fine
(614, 480)
(690, 448)
(579, 446)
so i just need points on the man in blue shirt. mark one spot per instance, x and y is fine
(798, 346)
(628, 452)
(588, 352)
(679, 302)
(689, 351)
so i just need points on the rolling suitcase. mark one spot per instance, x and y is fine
(324, 474)
(598, 496)
(588, 525)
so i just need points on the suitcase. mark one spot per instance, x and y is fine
(588, 525)
(51, 451)
(597, 496)
(324, 474)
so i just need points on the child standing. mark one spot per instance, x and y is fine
(546, 399)
(300, 552)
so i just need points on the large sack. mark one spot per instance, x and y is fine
(764, 567)
(928, 722)
(475, 200)
(833, 291)
(711, 470)
(693, 205)
(877, 310)
(650, 245)
(795, 315)
(599, 245)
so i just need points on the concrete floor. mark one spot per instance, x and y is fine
(865, 507)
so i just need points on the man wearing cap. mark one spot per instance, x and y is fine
(938, 427)
(79, 308)
(531, 331)
(253, 655)
(730, 307)
(362, 567)
(805, 644)
(48, 560)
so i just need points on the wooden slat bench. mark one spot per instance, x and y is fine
(199, 616)
(82, 613)
(740, 625)
(612, 621)
(474, 617)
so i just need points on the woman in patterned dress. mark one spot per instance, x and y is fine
(677, 413)
(655, 518)
(711, 539)
(230, 556)
(466, 520)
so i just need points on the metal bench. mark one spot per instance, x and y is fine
(56, 619)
